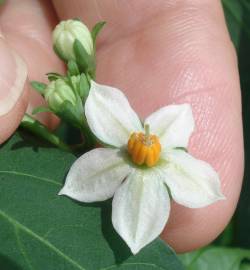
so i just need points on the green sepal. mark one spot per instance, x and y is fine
(71, 114)
(86, 62)
(96, 29)
(77, 19)
(181, 148)
(169, 192)
(41, 109)
(38, 86)
(73, 69)
(68, 80)
(52, 76)
(74, 116)
(37, 128)
(84, 87)
(59, 54)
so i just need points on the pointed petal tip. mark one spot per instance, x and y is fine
(153, 203)
(135, 247)
(185, 106)
(135, 250)
(219, 196)
(61, 192)
(222, 197)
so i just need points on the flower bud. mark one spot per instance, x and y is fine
(64, 35)
(57, 92)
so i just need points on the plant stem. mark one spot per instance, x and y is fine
(37, 128)
(89, 140)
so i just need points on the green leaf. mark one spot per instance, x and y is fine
(41, 109)
(245, 266)
(96, 30)
(52, 76)
(73, 68)
(238, 21)
(215, 258)
(38, 86)
(41, 230)
(226, 238)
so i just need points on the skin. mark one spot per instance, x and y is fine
(158, 52)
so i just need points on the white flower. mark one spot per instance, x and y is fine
(140, 166)
(64, 35)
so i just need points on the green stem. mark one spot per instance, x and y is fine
(90, 141)
(37, 128)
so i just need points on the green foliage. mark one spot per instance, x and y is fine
(41, 230)
(52, 76)
(41, 109)
(96, 30)
(38, 86)
(217, 258)
(29, 123)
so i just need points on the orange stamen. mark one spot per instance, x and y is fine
(144, 148)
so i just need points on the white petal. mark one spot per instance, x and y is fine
(192, 182)
(95, 175)
(140, 209)
(173, 124)
(110, 116)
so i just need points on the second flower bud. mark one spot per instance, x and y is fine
(57, 92)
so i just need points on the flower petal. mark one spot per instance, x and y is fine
(140, 209)
(95, 175)
(192, 182)
(173, 124)
(110, 116)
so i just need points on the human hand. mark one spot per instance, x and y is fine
(159, 53)
(26, 27)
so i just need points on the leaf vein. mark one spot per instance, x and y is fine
(16, 224)
(137, 263)
(21, 249)
(32, 176)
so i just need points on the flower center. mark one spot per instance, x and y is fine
(144, 148)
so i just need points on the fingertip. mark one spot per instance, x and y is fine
(10, 121)
(14, 90)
